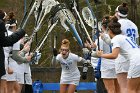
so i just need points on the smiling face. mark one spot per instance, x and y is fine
(64, 51)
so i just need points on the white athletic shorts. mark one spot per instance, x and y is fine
(122, 67)
(74, 82)
(11, 77)
(134, 71)
(110, 73)
(27, 79)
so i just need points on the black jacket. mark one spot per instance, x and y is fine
(7, 41)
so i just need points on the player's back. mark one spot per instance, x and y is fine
(129, 28)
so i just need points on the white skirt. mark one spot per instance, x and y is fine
(74, 82)
(134, 71)
(122, 67)
(11, 77)
(24, 79)
(110, 73)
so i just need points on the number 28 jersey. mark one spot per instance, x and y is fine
(129, 28)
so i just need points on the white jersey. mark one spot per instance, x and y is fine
(106, 64)
(12, 63)
(129, 28)
(70, 70)
(128, 48)
(7, 50)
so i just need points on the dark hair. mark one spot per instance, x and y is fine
(11, 15)
(115, 26)
(123, 8)
(105, 21)
(2, 14)
(11, 19)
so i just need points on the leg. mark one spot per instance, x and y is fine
(3, 86)
(71, 88)
(109, 85)
(133, 85)
(17, 87)
(20, 88)
(117, 87)
(122, 80)
(10, 86)
(138, 89)
(63, 88)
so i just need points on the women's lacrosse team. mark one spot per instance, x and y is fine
(119, 53)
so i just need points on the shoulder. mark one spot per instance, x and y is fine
(117, 41)
(58, 56)
(132, 23)
(117, 38)
(120, 20)
(73, 55)
(123, 21)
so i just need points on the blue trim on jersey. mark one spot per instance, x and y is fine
(132, 43)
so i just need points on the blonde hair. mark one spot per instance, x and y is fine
(65, 43)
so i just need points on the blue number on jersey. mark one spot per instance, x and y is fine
(132, 43)
(131, 33)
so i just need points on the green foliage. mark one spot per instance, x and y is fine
(113, 2)
(3, 3)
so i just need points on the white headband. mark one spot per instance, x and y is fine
(120, 14)
(116, 10)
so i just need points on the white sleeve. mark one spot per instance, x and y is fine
(76, 58)
(115, 43)
(58, 57)
(16, 46)
(80, 59)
